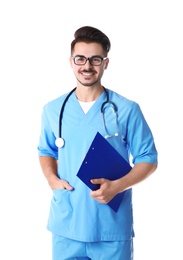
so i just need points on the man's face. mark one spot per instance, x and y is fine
(88, 74)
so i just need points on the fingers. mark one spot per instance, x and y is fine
(98, 181)
(65, 185)
(102, 195)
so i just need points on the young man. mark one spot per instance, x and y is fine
(83, 225)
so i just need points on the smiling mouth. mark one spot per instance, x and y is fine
(87, 73)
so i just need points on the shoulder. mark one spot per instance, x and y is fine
(56, 103)
(127, 109)
(121, 100)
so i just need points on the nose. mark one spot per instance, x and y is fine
(88, 64)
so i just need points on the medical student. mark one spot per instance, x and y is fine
(83, 226)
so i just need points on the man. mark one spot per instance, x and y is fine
(83, 226)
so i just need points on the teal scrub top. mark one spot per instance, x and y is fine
(75, 214)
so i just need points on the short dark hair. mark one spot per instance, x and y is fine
(90, 34)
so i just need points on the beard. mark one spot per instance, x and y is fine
(89, 83)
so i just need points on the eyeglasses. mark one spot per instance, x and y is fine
(94, 60)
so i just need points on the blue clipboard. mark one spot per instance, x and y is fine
(103, 161)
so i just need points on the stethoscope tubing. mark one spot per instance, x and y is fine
(61, 113)
(60, 141)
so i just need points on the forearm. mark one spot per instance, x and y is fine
(108, 189)
(139, 172)
(49, 168)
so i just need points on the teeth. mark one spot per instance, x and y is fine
(87, 74)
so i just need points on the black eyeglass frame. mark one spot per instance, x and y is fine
(89, 59)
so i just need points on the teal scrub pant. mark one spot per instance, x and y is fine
(68, 249)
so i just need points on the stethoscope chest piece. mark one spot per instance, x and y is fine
(59, 142)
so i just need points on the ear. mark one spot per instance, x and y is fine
(70, 60)
(106, 63)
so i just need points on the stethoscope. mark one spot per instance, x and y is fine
(60, 141)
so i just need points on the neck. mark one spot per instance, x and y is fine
(87, 94)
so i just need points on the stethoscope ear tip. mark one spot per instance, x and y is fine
(59, 142)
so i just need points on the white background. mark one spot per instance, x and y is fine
(146, 64)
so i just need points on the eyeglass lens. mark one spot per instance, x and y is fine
(94, 60)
